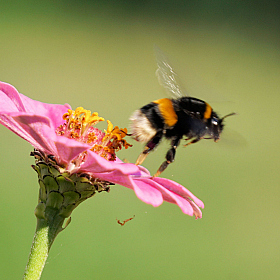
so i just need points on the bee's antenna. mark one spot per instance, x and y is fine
(231, 114)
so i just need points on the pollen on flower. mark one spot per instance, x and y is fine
(79, 125)
(91, 137)
(113, 139)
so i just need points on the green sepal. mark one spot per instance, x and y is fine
(60, 191)
(70, 197)
(67, 211)
(64, 184)
(54, 200)
(87, 194)
(54, 171)
(43, 169)
(40, 210)
(42, 191)
(50, 183)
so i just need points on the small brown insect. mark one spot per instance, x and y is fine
(123, 223)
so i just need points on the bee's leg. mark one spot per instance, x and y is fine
(126, 134)
(192, 142)
(169, 156)
(149, 147)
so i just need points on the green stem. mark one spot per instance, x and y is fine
(45, 234)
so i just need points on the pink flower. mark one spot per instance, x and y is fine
(47, 128)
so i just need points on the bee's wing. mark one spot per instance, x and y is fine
(167, 76)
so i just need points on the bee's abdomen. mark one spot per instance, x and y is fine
(151, 118)
(166, 110)
(141, 127)
(152, 113)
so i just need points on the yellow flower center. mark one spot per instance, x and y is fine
(79, 125)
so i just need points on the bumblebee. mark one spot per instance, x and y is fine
(173, 118)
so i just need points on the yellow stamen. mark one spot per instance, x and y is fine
(91, 137)
(109, 127)
(81, 119)
(79, 125)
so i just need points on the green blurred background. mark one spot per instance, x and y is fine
(100, 56)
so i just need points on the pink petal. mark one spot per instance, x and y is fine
(98, 164)
(178, 189)
(170, 196)
(10, 99)
(52, 111)
(142, 189)
(34, 129)
(37, 131)
(146, 192)
(67, 149)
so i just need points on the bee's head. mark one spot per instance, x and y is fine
(216, 125)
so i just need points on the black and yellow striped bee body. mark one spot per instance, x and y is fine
(173, 118)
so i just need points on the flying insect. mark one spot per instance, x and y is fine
(173, 118)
